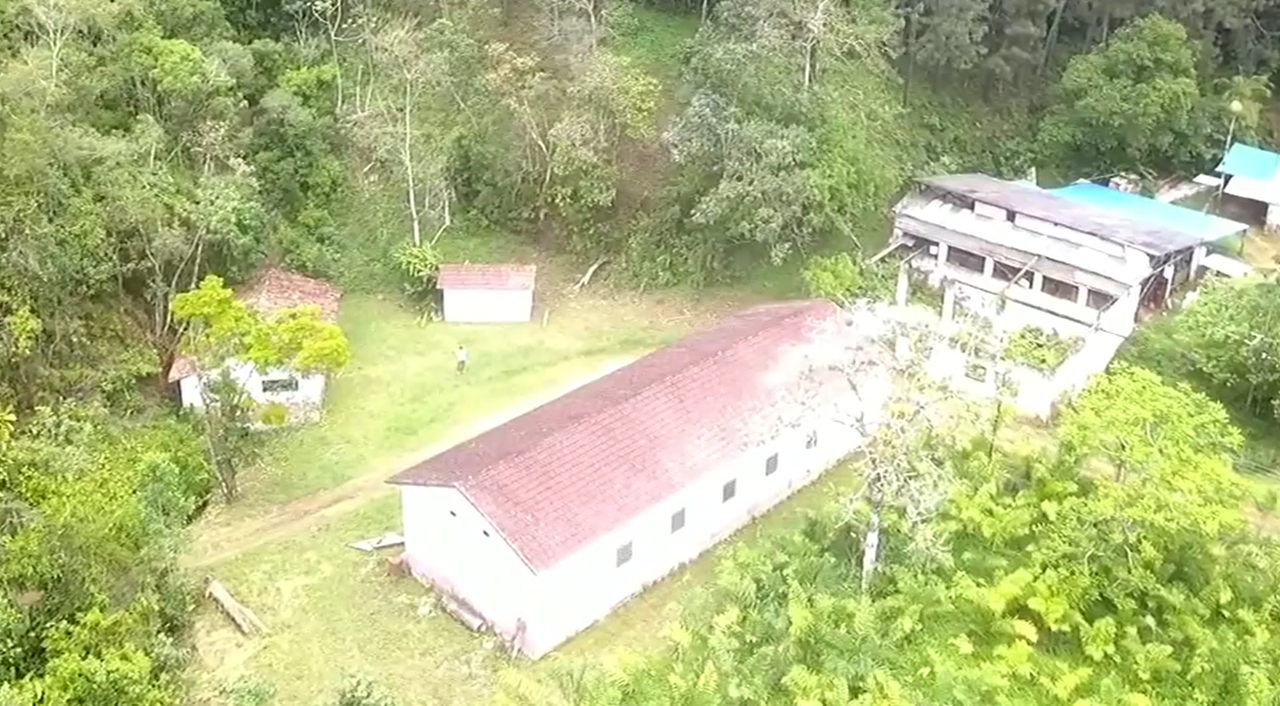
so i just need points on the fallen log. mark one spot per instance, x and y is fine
(244, 618)
(586, 278)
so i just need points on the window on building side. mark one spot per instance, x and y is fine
(1004, 271)
(730, 489)
(1099, 300)
(624, 553)
(1062, 290)
(289, 384)
(677, 520)
(812, 440)
(771, 465)
(966, 260)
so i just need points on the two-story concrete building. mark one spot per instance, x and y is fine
(1078, 263)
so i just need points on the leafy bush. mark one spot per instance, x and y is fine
(249, 690)
(1037, 348)
(361, 691)
(841, 278)
(92, 508)
(419, 268)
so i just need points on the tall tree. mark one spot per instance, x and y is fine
(1134, 105)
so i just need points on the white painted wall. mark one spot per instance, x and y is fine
(488, 306)
(451, 546)
(303, 404)
(1070, 235)
(585, 587)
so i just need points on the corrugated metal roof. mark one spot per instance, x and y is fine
(1250, 162)
(1107, 224)
(1203, 226)
(556, 478)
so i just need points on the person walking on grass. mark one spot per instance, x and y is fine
(461, 356)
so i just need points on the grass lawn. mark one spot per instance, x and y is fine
(334, 612)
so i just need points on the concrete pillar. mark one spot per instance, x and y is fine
(1167, 273)
(1273, 218)
(988, 267)
(904, 284)
(1197, 256)
(942, 254)
(948, 302)
(1037, 281)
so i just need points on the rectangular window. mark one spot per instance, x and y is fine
(677, 521)
(771, 465)
(1004, 271)
(1062, 290)
(624, 554)
(730, 490)
(966, 260)
(1099, 300)
(812, 441)
(270, 385)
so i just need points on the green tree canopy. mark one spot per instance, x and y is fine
(1136, 104)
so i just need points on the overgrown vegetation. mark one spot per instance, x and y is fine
(1037, 348)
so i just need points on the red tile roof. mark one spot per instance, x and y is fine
(271, 291)
(476, 276)
(572, 470)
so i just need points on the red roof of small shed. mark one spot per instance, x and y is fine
(578, 467)
(270, 292)
(478, 276)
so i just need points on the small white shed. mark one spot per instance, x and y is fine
(487, 294)
(301, 395)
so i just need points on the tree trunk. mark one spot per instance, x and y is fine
(808, 64)
(1052, 40)
(408, 166)
(871, 545)
(908, 37)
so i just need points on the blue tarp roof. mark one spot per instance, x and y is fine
(1250, 163)
(1204, 226)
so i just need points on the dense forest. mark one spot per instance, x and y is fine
(154, 147)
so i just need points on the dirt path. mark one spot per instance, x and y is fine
(217, 544)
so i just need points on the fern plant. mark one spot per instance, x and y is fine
(419, 268)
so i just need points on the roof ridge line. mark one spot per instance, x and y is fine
(689, 370)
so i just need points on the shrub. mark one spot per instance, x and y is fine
(1037, 348)
(419, 268)
(841, 278)
(361, 691)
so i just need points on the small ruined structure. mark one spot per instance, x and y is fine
(541, 526)
(1058, 277)
(300, 395)
(486, 294)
